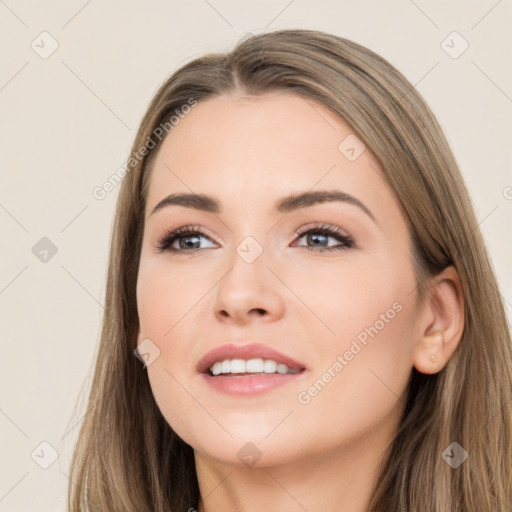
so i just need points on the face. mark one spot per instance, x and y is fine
(327, 283)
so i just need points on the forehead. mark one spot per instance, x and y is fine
(264, 126)
(241, 147)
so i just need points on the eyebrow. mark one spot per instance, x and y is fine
(284, 205)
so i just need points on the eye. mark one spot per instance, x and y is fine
(188, 238)
(321, 234)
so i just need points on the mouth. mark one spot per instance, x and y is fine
(248, 369)
(253, 358)
(250, 383)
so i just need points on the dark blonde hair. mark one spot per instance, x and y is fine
(127, 456)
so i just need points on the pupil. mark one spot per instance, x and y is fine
(315, 237)
(189, 245)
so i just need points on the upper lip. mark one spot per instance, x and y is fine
(248, 351)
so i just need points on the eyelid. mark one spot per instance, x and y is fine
(322, 226)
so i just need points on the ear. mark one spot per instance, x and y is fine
(441, 323)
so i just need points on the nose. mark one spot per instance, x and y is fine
(249, 290)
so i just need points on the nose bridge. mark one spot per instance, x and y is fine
(250, 235)
(248, 266)
(249, 284)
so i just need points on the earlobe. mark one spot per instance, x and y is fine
(429, 356)
(441, 323)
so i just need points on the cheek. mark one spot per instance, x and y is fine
(167, 303)
(360, 298)
(359, 387)
(164, 294)
(367, 358)
(169, 391)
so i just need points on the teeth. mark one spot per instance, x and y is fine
(269, 366)
(255, 365)
(249, 366)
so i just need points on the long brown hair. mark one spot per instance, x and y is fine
(128, 458)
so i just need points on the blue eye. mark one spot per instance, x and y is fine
(189, 239)
(192, 233)
(320, 234)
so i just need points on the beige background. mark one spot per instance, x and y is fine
(67, 122)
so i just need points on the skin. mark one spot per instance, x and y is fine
(326, 454)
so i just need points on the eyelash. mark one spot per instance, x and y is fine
(164, 244)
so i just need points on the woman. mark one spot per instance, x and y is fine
(297, 266)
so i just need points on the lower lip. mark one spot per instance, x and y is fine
(250, 384)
